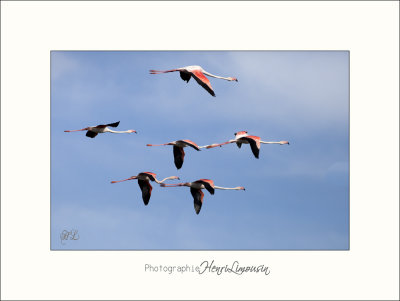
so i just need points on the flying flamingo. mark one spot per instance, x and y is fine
(179, 153)
(243, 138)
(144, 179)
(92, 131)
(198, 74)
(197, 186)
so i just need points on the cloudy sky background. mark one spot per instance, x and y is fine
(297, 196)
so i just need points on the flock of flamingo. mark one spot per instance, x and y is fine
(144, 178)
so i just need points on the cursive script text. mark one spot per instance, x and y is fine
(69, 235)
(235, 268)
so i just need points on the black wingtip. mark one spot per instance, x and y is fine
(114, 124)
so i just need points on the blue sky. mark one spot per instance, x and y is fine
(297, 196)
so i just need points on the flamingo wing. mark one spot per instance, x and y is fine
(179, 155)
(208, 184)
(91, 134)
(152, 176)
(197, 198)
(114, 125)
(185, 76)
(203, 81)
(191, 144)
(146, 189)
(101, 126)
(254, 144)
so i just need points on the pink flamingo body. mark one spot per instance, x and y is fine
(197, 186)
(144, 179)
(198, 73)
(243, 138)
(179, 153)
(92, 131)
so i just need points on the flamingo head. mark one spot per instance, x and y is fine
(132, 131)
(232, 79)
(283, 142)
(241, 188)
(175, 178)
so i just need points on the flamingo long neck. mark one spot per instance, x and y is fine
(270, 142)
(228, 188)
(119, 132)
(274, 142)
(216, 76)
(209, 145)
(163, 180)
(219, 144)
(173, 185)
